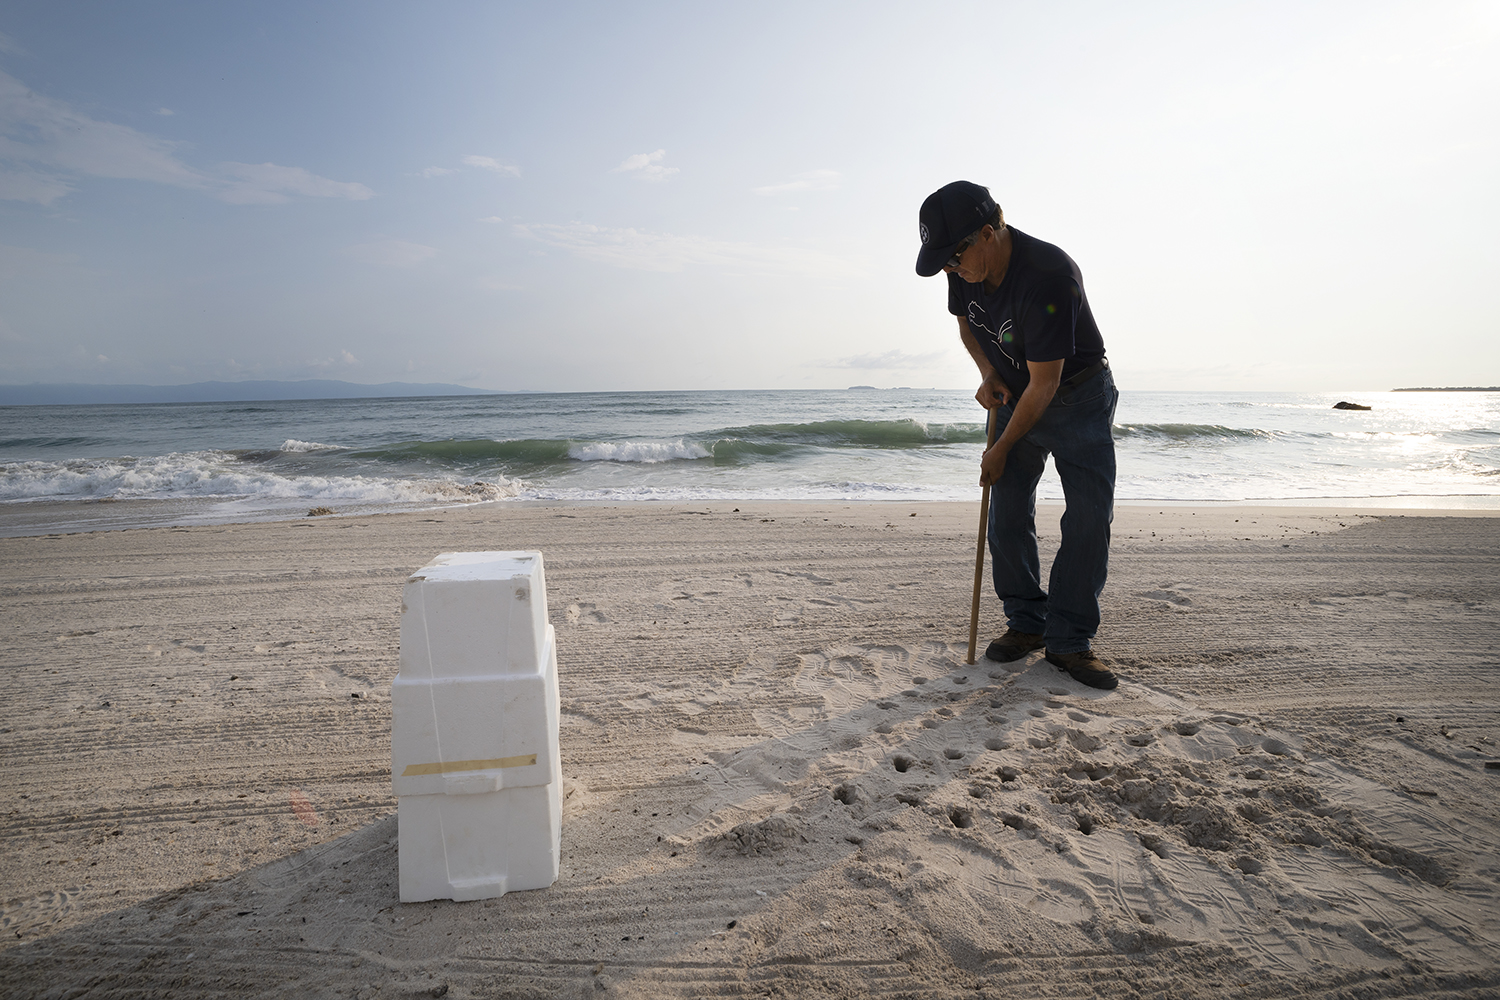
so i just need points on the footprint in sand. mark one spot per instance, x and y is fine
(18, 916)
(1170, 596)
(586, 614)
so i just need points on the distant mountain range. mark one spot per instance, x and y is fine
(73, 394)
(1451, 388)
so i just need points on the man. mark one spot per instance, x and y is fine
(1025, 321)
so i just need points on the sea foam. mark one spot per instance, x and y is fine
(637, 451)
(206, 474)
(295, 446)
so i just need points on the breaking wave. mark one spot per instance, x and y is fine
(206, 474)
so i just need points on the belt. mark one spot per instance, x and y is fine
(1088, 373)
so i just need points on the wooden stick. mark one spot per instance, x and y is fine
(984, 528)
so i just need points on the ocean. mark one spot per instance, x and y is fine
(73, 468)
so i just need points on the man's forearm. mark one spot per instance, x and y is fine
(971, 344)
(1029, 409)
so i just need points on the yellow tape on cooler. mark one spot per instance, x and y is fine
(449, 766)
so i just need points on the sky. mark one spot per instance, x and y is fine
(578, 197)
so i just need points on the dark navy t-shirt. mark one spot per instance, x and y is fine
(1039, 313)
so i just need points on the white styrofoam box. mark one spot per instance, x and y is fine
(478, 846)
(476, 734)
(481, 831)
(474, 614)
(476, 764)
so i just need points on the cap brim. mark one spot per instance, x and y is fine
(931, 260)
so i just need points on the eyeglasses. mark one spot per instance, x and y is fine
(958, 251)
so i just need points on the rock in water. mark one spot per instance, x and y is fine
(1342, 405)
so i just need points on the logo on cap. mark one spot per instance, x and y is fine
(923, 228)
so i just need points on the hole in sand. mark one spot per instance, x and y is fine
(929, 724)
(1007, 773)
(885, 729)
(910, 800)
(1036, 713)
(961, 818)
(953, 754)
(886, 705)
(995, 743)
(976, 791)
(1085, 825)
(919, 680)
(902, 763)
(1186, 728)
(845, 793)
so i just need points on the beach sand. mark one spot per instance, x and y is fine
(781, 778)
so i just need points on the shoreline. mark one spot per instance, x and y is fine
(41, 517)
(767, 720)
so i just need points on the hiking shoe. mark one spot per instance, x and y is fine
(1085, 668)
(1012, 646)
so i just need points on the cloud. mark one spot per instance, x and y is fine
(164, 112)
(30, 185)
(438, 171)
(646, 166)
(45, 146)
(390, 253)
(266, 183)
(812, 180)
(889, 361)
(344, 360)
(492, 218)
(491, 164)
(664, 252)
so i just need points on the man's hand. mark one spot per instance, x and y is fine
(992, 465)
(993, 392)
(1046, 376)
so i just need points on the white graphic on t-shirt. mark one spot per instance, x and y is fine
(979, 318)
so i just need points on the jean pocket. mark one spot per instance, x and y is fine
(1094, 389)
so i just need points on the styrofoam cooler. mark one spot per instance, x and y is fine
(474, 727)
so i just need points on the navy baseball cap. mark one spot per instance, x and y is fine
(950, 214)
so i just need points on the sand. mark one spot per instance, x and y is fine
(781, 779)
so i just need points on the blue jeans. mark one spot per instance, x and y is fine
(1075, 431)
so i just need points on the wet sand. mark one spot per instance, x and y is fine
(781, 778)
